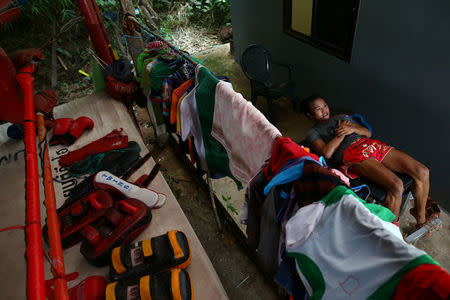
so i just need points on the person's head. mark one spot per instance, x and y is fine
(314, 107)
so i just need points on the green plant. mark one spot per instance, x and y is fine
(64, 87)
(107, 4)
(230, 206)
(209, 12)
(161, 4)
(172, 177)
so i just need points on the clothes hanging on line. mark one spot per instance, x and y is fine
(216, 155)
(288, 175)
(316, 182)
(190, 126)
(176, 95)
(284, 149)
(243, 131)
(169, 73)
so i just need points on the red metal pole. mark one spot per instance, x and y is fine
(96, 29)
(54, 236)
(34, 252)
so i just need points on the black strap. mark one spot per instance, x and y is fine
(151, 175)
(136, 166)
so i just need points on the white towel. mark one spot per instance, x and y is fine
(243, 131)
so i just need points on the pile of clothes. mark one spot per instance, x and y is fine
(316, 237)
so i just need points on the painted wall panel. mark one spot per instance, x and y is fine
(398, 76)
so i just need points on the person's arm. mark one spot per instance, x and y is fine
(347, 127)
(327, 150)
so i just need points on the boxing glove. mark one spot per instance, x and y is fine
(77, 128)
(60, 129)
(44, 102)
(112, 141)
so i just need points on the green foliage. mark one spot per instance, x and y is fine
(107, 4)
(160, 5)
(59, 11)
(210, 13)
(230, 206)
(38, 21)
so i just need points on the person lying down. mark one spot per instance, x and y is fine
(347, 144)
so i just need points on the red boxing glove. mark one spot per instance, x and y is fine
(77, 128)
(112, 141)
(59, 130)
(92, 288)
(44, 102)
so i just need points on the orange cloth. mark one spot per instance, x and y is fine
(175, 97)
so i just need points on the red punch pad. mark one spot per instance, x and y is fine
(119, 225)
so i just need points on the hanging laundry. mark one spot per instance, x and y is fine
(315, 183)
(161, 68)
(190, 126)
(284, 149)
(155, 45)
(176, 97)
(183, 74)
(243, 131)
(269, 234)
(166, 95)
(254, 197)
(179, 112)
(216, 155)
(287, 278)
(350, 250)
(295, 172)
(145, 77)
(284, 193)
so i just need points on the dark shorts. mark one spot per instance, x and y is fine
(361, 150)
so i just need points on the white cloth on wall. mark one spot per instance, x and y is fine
(243, 131)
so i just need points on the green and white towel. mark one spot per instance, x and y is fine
(346, 248)
(216, 155)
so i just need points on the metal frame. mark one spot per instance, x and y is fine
(287, 28)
